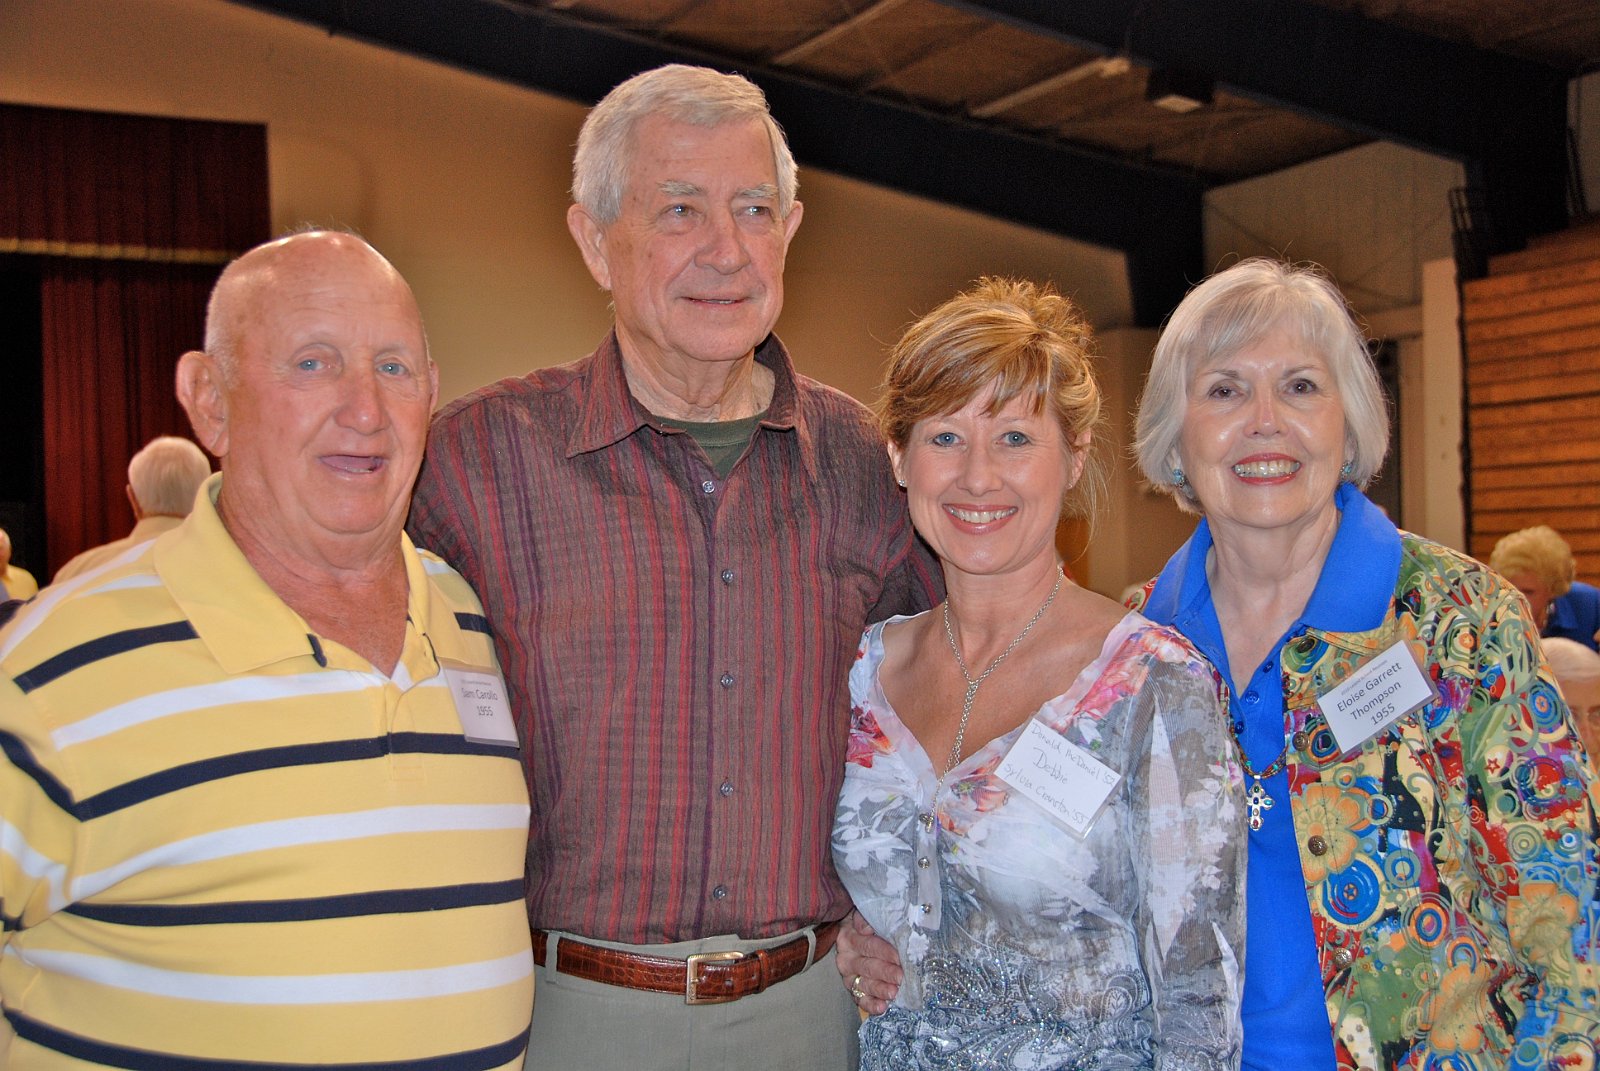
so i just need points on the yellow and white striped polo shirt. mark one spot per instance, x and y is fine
(226, 842)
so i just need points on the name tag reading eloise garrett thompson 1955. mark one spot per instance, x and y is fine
(1378, 694)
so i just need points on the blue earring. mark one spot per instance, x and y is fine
(1347, 470)
(1179, 479)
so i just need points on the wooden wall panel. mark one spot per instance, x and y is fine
(1532, 343)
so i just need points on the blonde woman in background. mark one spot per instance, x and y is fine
(1539, 562)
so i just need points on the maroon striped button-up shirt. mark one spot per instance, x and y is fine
(676, 646)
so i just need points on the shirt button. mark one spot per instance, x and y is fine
(726, 788)
(925, 908)
(1317, 846)
(1299, 740)
(709, 487)
(726, 680)
(924, 863)
(1250, 695)
(927, 821)
(1342, 958)
(719, 893)
(727, 576)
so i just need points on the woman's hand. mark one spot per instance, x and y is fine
(868, 965)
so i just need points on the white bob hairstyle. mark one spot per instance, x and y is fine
(1233, 310)
(677, 92)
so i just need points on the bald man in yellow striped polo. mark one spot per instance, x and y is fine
(260, 798)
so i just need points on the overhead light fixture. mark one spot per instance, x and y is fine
(1178, 90)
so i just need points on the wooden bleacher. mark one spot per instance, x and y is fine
(1533, 394)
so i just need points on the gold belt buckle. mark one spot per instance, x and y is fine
(691, 989)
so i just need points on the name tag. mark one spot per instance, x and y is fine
(481, 703)
(1058, 775)
(1379, 694)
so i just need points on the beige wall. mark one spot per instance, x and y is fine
(462, 181)
(1371, 216)
(1133, 540)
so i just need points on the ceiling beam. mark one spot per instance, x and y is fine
(1504, 118)
(867, 15)
(1152, 214)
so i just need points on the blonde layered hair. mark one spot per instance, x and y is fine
(1025, 340)
(1541, 551)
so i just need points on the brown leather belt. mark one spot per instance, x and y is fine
(703, 978)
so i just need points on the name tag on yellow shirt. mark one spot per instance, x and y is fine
(481, 703)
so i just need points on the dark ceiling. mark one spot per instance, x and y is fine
(1036, 111)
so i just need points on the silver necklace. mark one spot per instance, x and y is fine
(973, 682)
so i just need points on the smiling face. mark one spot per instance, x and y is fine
(985, 489)
(1264, 436)
(321, 420)
(694, 261)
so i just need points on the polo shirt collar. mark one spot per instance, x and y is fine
(609, 412)
(1356, 588)
(1353, 592)
(242, 621)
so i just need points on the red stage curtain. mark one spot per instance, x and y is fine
(134, 217)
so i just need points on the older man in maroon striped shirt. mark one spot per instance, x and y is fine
(678, 540)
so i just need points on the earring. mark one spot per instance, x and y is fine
(902, 483)
(1179, 479)
(1347, 470)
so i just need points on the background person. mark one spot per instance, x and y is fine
(1421, 891)
(1026, 943)
(246, 824)
(679, 540)
(16, 581)
(1577, 670)
(163, 478)
(1540, 563)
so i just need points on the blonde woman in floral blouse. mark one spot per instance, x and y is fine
(1422, 883)
(1040, 807)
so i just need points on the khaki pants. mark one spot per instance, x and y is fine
(805, 1023)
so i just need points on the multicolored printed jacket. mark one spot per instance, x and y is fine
(1450, 863)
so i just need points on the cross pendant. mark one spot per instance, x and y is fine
(1257, 800)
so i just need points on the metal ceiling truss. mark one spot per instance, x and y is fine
(1505, 119)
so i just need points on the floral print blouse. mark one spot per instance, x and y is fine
(1024, 944)
(1450, 861)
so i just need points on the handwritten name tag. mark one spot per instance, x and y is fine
(1379, 694)
(1058, 775)
(481, 704)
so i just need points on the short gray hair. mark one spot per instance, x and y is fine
(1231, 311)
(698, 96)
(165, 475)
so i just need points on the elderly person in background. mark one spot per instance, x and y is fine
(1577, 670)
(163, 478)
(1422, 874)
(15, 581)
(1102, 934)
(1539, 562)
(258, 809)
(679, 539)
